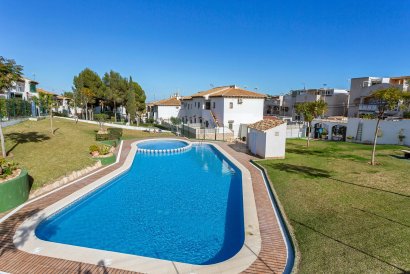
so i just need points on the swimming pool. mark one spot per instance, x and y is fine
(179, 207)
(162, 144)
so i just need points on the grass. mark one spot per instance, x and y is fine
(348, 216)
(48, 157)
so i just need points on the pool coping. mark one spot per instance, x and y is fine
(239, 262)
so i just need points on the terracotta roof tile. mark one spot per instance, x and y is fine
(237, 92)
(228, 91)
(173, 101)
(266, 124)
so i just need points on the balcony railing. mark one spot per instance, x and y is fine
(369, 108)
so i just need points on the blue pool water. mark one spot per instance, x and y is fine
(183, 207)
(163, 144)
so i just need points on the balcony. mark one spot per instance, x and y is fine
(367, 108)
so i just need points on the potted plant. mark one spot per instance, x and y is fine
(401, 136)
(14, 185)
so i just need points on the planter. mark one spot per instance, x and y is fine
(14, 192)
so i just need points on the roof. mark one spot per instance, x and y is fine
(40, 90)
(61, 97)
(237, 92)
(173, 101)
(209, 92)
(229, 91)
(266, 124)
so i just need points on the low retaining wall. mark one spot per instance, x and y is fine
(66, 179)
(14, 192)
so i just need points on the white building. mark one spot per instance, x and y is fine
(361, 88)
(336, 99)
(267, 138)
(227, 106)
(164, 109)
(24, 89)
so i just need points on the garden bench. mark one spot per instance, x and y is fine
(406, 153)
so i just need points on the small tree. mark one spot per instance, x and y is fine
(48, 102)
(10, 73)
(101, 118)
(309, 111)
(385, 100)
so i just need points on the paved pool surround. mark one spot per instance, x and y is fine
(239, 262)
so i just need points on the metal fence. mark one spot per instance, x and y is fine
(196, 131)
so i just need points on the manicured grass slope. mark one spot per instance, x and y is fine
(48, 157)
(348, 216)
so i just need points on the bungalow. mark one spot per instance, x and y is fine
(225, 106)
(164, 109)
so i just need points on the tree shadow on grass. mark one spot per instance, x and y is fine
(310, 172)
(25, 137)
(301, 170)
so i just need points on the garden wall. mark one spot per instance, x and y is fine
(389, 131)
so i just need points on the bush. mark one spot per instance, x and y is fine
(58, 114)
(101, 149)
(104, 149)
(7, 167)
(102, 137)
(116, 133)
(93, 148)
(406, 115)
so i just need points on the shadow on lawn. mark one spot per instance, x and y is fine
(400, 270)
(310, 172)
(25, 137)
(301, 170)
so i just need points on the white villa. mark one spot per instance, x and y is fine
(223, 107)
(24, 88)
(164, 109)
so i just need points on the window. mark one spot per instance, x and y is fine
(199, 104)
(230, 125)
(33, 87)
(213, 105)
(240, 101)
(231, 105)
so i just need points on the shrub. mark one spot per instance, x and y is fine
(406, 115)
(116, 133)
(63, 114)
(104, 149)
(7, 167)
(101, 149)
(93, 148)
(102, 137)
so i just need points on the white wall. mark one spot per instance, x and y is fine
(250, 111)
(389, 131)
(166, 112)
(269, 144)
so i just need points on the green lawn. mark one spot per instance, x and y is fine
(348, 216)
(48, 157)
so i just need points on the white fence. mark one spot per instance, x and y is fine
(295, 130)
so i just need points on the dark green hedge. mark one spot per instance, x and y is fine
(14, 192)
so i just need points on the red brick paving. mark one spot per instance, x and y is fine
(271, 259)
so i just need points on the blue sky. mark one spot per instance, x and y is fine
(185, 46)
